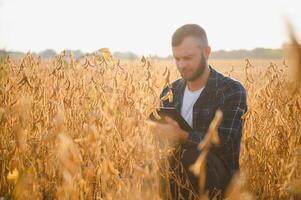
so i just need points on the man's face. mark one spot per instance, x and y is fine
(190, 59)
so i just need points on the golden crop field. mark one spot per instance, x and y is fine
(77, 129)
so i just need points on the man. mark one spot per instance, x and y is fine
(197, 96)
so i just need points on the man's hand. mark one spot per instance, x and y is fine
(170, 130)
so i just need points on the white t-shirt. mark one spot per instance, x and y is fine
(189, 100)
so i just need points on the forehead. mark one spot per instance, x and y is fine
(189, 46)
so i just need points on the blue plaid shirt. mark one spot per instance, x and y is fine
(222, 93)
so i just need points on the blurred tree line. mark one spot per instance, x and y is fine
(257, 53)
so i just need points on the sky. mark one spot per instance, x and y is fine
(143, 27)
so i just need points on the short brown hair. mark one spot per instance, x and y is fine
(187, 30)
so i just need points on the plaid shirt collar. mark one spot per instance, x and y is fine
(211, 85)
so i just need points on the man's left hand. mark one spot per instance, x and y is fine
(170, 130)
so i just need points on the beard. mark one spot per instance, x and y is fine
(199, 71)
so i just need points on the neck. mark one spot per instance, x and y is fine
(200, 82)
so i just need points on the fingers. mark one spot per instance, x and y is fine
(156, 127)
(171, 121)
(151, 123)
(167, 130)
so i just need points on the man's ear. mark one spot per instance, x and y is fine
(207, 51)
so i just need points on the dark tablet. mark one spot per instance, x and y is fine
(172, 113)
